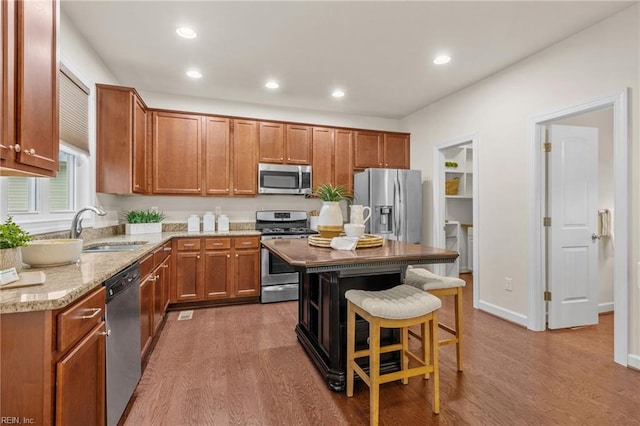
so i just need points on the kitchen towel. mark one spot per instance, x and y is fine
(344, 243)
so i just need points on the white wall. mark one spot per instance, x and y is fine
(600, 60)
(603, 121)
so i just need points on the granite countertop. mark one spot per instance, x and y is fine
(65, 284)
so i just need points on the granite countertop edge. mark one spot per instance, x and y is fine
(66, 284)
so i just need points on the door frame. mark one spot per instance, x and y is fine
(535, 134)
(439, 201)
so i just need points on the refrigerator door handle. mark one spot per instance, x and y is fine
(396, 207)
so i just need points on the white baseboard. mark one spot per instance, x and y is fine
(633, 361)
(605, 307)
(503, 313)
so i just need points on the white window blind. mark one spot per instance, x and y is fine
(61, 187)
(21, 195)
(74, 110)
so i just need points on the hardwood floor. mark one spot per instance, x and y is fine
(242, 365)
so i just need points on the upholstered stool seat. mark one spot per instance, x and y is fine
(400, 307)
(441, 286)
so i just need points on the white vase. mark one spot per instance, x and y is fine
(11, 258)
(330, 219)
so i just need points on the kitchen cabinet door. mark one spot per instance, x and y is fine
(157, 277)
(322, 147)
(298, 144)
(246, 266)
(168, 282)
(188, 271)
(80, 382)
(368, 149)
(396, 151)
(30, 141)
(271, 142)
(217, 274)
(121, 141)
(177, 139)
(140, 175)
(343, 157)
(217, 156)
(146, 314)
(245, 156)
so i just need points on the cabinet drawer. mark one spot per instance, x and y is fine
(146, 265)
(217, 243)
(77, 320)
(246, 242)
(188, 244)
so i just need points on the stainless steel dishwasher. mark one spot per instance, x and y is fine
(123, 343)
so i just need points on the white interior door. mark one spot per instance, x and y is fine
(572, 252)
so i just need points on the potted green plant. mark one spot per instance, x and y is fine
(143, 221)
(330, 219)
(12, 238)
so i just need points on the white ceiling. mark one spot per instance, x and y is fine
(379, 53)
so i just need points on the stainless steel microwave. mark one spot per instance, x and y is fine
(284, 179)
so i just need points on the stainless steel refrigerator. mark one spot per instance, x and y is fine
(395, 199)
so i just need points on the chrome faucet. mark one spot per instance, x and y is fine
(76, 223)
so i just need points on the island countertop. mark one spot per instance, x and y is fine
(300, 254)
(65, 284)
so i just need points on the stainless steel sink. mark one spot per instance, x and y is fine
(106, 248)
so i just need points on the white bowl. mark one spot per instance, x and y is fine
(55, 252)
(354, 229)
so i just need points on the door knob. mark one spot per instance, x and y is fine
(595, 237)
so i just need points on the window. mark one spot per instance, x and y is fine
(48, 204)
(44, 196)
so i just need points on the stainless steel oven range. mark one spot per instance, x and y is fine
(278, 282)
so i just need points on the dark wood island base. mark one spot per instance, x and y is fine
(325, 276)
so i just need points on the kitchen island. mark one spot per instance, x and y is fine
(325, 275)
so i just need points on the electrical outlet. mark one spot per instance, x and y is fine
(508, 284)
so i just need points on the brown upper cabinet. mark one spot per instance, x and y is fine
(297, 144)
(177, 153)
(217, 156)
(245, 156)
(29, 114)
(122, 146)
(332, 159)
(284, 143)
(382, 150)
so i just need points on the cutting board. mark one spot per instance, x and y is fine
(27, 279)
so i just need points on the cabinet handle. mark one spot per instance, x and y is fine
(30, 151)
(281, 158)
(198, 257)
(137, 185)
(246, 242)
(217, 244)
(167, 249)
(236, 255)
(15, 147)
(157, 277)
(386, 164)
(228, 255)
(198, 189)
(165, 266)
(96, 311)
(105, 333)
(189, 245)
(151, 278)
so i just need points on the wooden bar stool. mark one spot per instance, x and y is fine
(441, 286)
(399, 307)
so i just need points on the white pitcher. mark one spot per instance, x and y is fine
(358, 214)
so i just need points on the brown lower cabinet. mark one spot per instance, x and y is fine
(154, 293)
(216, 268)
(52, 364)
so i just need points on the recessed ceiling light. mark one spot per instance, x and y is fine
(194, 74)
(271, 85)
(442, 59)
(186, 32)
(337, 93)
